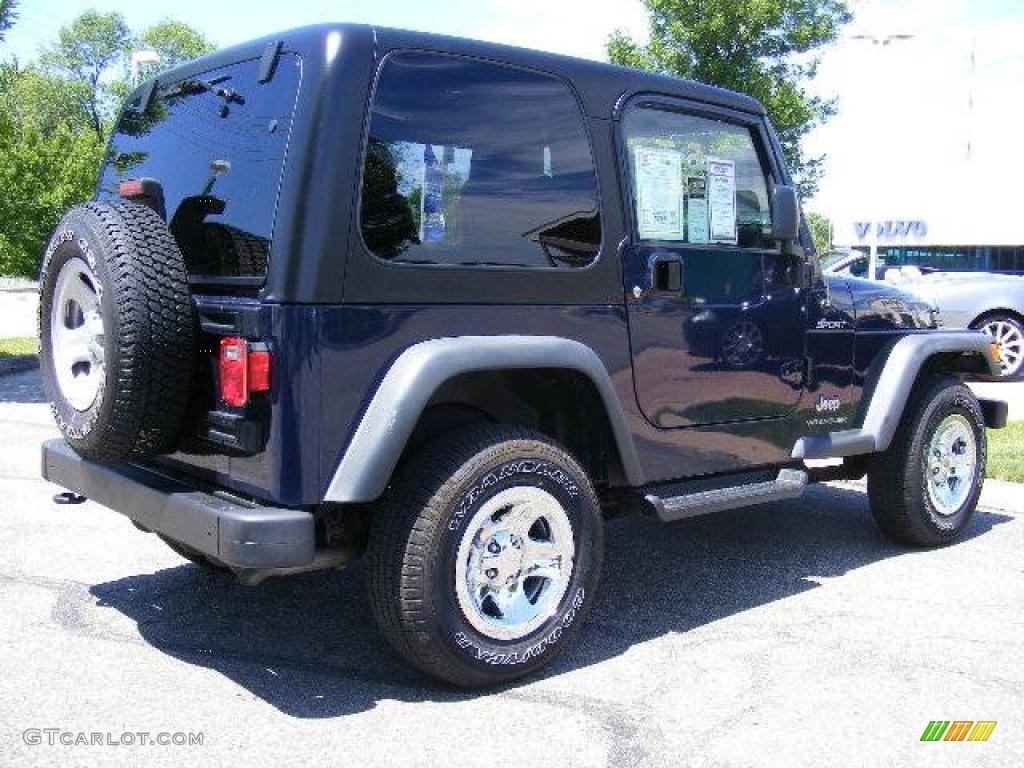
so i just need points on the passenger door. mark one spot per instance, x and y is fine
(716, 314)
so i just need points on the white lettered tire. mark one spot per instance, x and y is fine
(485, 554)
(117, 332)
(924, 488)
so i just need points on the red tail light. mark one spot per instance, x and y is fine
(243, 370)
(130, 188)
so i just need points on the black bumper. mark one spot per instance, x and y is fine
(226, 529)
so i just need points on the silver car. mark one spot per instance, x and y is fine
(989, 302)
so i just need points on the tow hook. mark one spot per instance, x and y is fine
(69, 497)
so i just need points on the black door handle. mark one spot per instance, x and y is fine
(667, 274)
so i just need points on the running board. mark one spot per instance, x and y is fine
(789, 484)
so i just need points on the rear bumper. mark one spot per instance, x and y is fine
(226, 529)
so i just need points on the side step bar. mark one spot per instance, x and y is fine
(789, 484)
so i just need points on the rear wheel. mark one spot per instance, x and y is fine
(1008, 332)
(923, 490)
(484, 555)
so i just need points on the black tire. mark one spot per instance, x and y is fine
(1014, 325)
(193, 555)
(148, 331)
(898, 478)
(240, 253)
(415, 539)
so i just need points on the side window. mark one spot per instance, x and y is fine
(697, 180)
(471, 163)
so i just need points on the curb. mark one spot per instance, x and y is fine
(18, 364)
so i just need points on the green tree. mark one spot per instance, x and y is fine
(765, 48)
(821, 231)
(8, 16)
(49, 156)
(54, 119)
(30, 96)
(42, 173)
(85, 52)
(175, 42)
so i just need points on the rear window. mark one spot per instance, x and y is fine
(474, 163)
(215, 146)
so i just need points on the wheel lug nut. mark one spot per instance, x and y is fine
(493, 548)
(491, 573)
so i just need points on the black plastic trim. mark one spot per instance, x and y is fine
(232, 532)
(268, 61)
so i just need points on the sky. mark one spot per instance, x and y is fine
(907, 111)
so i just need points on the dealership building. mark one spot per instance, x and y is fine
(949, 240)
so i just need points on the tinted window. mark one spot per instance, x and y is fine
(216, 146)
(696, 180)
(473, 163)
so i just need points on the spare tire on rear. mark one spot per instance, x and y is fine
(117, 331)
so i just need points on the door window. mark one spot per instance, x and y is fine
(696, 180)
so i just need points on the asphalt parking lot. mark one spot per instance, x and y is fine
(789, 634)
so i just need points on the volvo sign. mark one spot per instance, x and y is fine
(891, 229)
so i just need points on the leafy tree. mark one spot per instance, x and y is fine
(54, 119)
(49, 156)
(821, 231)
(175, 42)
(8, 15)
(42, 173)
(30, 96)
(764, 48)
(85, 52)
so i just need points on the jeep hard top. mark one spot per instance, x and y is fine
(351, 290)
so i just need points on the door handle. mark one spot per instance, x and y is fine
(667, 274)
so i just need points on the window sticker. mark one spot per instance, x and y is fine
(722, 200)
(697, 209)
(659, 190)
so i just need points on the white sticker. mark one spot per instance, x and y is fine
(697, 209)
(659, 192)
(722, 200)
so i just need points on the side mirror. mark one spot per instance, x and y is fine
(785, 214)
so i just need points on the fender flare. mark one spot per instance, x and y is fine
(891, 390)
(367, 463)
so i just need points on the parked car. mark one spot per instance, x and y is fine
(350, 291)
(985, 301)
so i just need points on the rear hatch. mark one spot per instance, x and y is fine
(207, 151)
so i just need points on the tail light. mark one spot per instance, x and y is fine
(244, 369)
(130, 188)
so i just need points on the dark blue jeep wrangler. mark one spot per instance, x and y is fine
(449, 304)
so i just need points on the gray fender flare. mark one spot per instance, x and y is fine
(892, 390)
(368, 462)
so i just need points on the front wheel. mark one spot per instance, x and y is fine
(484, 555)
(923, 490)
(1008, 333)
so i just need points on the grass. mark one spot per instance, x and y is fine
(1006, 452)
(19, 345)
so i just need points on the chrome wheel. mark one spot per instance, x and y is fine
(1009, 336)
(514, 563)
(743, 344)
(76, 334)
(951, 463)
